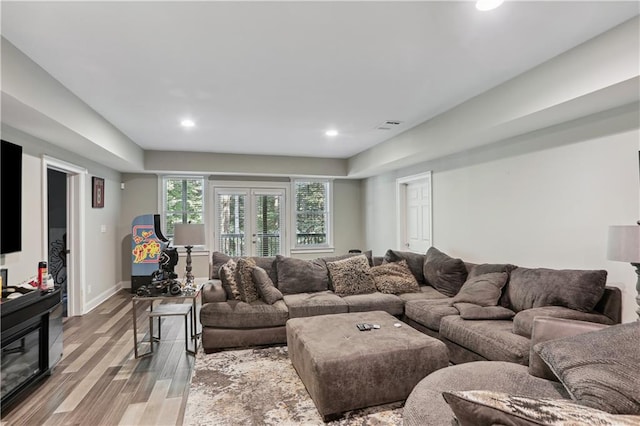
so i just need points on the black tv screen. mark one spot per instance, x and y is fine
(10, 198)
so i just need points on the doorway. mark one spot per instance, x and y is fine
(249, 221)
(414, 213)
(65, 194)
(57, 200)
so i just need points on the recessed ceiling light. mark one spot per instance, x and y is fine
(485, 5)
(331, 133)
(187, 123)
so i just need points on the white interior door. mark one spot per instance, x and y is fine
(249, 222)
(414, 213)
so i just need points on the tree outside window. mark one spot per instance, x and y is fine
(183, 202)
(312, 213)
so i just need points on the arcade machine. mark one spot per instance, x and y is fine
(147, 246)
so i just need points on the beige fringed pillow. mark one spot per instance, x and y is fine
(395, 278)
(244, 279)
(351, 276)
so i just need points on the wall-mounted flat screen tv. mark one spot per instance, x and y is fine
(10, 198)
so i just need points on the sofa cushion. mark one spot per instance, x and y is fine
(426, 293)
(443, 272)
(351, 276)
(482, 407)
(491, 339)
(599, 368)
(469, 311)
(244, 280)
(395, 278)
(488, 268)
(312, 304)
(482, 290)
(240, 315)
(377, 301)
(266, 289)
(227, 275)
(576, 289)
(429, 312)
(414, 260)
(301, 276)
(523, 321)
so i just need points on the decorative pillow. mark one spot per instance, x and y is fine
(470, 311)
(301, 276)
(414, 260)
(482, 290)
(574, 289)
(244, 279)
(367, 253)
(443, 272)
(599, 369)
(395, 278)
(227, 275)
(217, 260)
(352, 276)
(267, 291)
(480, 407)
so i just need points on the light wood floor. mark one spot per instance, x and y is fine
(99, 382)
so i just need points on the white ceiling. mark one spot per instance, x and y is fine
(272, 77)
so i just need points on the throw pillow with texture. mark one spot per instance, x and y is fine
(482, 290)
(599, 369)
(481, 407)
(470, 311)
(414, 260)
(217, 260)
(267, 291)
(575, 289)
(352, 276)
(443, 272)
(244, 280)
(301, 276)
(227, 275)
(395, 278)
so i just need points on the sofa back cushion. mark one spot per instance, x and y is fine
(414, 260)
(217, 260)
(443, 272)
(301, 276)
(575, 289)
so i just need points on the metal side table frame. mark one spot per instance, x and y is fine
(172, 309)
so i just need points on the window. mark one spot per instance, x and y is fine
(182, 201)
(312, 213)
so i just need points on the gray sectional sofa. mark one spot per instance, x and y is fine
(496, 327)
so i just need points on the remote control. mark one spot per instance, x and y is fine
(376, 326)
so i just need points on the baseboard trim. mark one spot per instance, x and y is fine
(96, 301)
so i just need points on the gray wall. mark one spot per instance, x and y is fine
(537, 208)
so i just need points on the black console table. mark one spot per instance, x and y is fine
(31, 341)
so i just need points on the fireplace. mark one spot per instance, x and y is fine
(31, 342)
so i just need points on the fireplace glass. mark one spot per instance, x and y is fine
(20, 359)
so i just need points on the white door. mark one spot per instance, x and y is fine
(418, 214)
(414, 213)
(249, 222)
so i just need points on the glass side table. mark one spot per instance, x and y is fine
(186, 310)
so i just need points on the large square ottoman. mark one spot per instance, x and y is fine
(344, 368)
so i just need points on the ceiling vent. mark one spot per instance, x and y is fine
(388, 125)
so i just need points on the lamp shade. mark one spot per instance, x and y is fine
(189, 234)
(624, 243)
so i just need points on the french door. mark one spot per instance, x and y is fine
(249, 221)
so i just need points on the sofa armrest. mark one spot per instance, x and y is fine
(546, 328)
(212, 291)
(611, 304)
(523, 321)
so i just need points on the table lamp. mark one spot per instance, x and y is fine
(189, 235)
(624, 246)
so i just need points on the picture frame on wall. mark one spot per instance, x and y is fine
(97, 199)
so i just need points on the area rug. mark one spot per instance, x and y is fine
(261, 387)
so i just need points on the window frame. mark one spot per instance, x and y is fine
(163, 205)
(312, 248)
